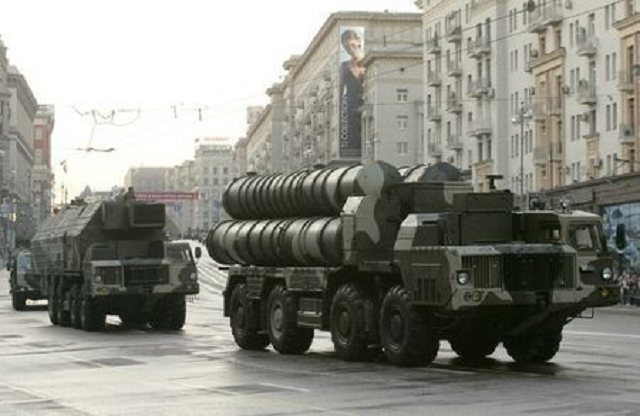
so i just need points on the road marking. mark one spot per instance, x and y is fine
(603, 334)
(279, 386)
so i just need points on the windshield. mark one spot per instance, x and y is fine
(179, 252)
(24, 262)
(585, 237)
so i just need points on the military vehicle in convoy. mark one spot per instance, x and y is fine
(102, 258)
(400, 260)
(23, 284)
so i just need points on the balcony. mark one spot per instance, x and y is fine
(434, 114)
(453, 29)
(453, 68)
(433, 79)
(481, 126)
(454, 106)
(454, 142)
(478, 87)
(587, 44)
(586, 92)
(626, 81)
(538, 58)
(552, 14)
(479, 47)
(433, 46)
(434, 150)
(626, 134)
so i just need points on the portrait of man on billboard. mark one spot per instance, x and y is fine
(351, 90)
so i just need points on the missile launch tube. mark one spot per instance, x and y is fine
(306, 193)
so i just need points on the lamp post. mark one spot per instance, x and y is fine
(523, 117)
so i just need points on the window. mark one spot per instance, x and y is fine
(614, 116)
(402, 95)
(571, 40)
(215, 171)
(403, 122)
(225, 171)
(608, 109)
(608, 67)
(614, 65)
(403, 148)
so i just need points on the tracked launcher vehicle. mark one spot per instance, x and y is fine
(401, 259)
(101, 258)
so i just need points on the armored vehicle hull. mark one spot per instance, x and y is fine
(108, 258)
(402, 269)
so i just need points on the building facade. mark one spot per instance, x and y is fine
(42, 188)
(315, 113)
(541, 92)
(212, 171)
(146, 179)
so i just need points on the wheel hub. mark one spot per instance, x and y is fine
(344, 323)
(277, 319)
(396, 327)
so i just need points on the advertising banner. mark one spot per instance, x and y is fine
(166, 196)
(351, 91)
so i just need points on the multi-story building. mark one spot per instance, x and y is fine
(180, 179)
(540, 92)
(23, 108)
(42, 188)
(5, 96)
(212, 171)
(315, 113)
(146, 179)
(393, 109)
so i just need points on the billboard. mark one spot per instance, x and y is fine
(166, 196)
(351, 91)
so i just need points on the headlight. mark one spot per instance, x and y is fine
(193, 276)
(463, 278)
(97, 278)
(607, 274)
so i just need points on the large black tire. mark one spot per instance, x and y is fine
(404, 333)
(286, 337)
(169, 314)
(244, 320)
(472, 348)
(52, 308)
(351, 340)
(535, 347)
(64, 316)
(92, 316)
(76, 307)
(18, 301)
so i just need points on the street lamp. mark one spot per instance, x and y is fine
(523, 117)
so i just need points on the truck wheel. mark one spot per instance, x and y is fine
(286, 337)
(534, 347)
(52, 308)
(348, 324)
(91, 315)
(472, 348)
(64, 317)
(76, 306)
(170, 315)
(18, 301)
(133, 319)
(244, 320)
(404, 332)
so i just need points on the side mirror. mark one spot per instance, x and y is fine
(621, 237)
(198, 252)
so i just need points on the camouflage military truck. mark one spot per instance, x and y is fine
(401, 260)
(23, 284)
(103, 258)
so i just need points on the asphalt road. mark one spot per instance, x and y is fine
(48, 370)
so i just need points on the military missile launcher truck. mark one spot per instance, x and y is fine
(400, 260)
(102, 258)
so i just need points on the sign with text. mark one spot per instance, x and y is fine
(166, 196)
(351, 91)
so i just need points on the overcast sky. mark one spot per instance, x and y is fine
(166, 58)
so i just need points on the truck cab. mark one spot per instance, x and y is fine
(23, 283)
